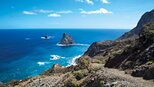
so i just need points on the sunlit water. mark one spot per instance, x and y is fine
(23, 53)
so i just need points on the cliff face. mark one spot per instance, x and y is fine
(98, 47)
(135, 55)
(132, 52)
(134, 33)
(139, 52)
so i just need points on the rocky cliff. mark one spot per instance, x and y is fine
(66, 39)
(135, 56)
(134, 33)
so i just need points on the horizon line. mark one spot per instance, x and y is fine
(64, 28)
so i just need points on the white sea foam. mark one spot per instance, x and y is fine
(76, 44)
(55, 57)
(72, 61)
(60, 45)
(49, 37)
(27, 38)
(42, 63)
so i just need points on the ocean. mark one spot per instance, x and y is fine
(23, 53)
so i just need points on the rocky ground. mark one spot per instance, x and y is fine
(98, 77)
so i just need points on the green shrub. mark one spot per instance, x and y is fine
(149, 62)
(84, 62)
(71, 82)
(80, 74)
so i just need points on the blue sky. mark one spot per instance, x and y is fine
(117, 14)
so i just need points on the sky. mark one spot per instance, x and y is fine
(101, 14)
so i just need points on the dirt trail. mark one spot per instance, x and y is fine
(113, 76)
(140, 82)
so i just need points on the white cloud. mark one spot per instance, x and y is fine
(65, 12)
(54, 15)
(50, 12)
(79, 0)
(29, 13)
(43, 11)
(100, 11)
(105, 1)
(86, 1)
(90, 2)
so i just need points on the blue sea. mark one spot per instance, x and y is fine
(23, 53)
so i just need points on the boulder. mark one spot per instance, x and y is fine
(145, 71)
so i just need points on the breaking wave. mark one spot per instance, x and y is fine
(72, 61)
(76, 44)
(55, 57)
(42, 63)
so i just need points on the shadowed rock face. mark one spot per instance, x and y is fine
(146, 18)
(97, 47)
(136, 55)
(66, 39)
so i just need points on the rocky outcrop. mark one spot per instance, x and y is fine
(98, 47)
(134, 33)
(66, 39)
(145, 71)
(128, 54)
(59, 69)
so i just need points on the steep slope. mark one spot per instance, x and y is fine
(135, 56)
(146, 18)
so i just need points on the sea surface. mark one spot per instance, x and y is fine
(23, 53)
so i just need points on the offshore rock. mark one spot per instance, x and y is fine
(66, 39)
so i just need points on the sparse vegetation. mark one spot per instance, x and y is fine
(149, 62)
(72, 82)
(95, 66)
(84, 62)
(80, 74)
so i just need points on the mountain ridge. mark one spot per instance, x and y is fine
(134, 33)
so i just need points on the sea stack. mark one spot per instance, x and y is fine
(66, 39)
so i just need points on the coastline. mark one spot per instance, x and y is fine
(118, 63)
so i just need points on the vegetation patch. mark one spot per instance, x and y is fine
(80, 74)
(149, 62)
